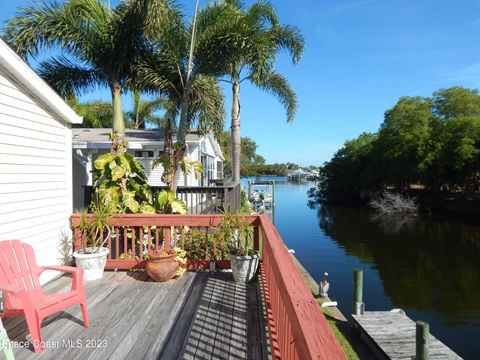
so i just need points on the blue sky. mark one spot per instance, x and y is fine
(361, 57)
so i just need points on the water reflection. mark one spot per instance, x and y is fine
(428, 267)
(425, 264)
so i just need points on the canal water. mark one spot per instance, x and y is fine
(429, 267)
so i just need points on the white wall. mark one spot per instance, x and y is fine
(35, 175)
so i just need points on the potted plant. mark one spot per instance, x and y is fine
(162, 265)
(95, 230)
(243, 259)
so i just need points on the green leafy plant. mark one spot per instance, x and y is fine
(167, 203)
(121, 181)
(202, 246)
(96, 229)
(245, 205)
(237, 234)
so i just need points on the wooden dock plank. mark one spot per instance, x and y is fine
(393, 335)
(178, 337)
(166, 316)
(238, 344)
(211, 315)
(226, 320)
(141, 319)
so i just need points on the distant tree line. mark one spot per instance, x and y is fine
(430, 143)
(251, 163)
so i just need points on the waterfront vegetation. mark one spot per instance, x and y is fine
(339, 331)
(428, 145)
(251, 162)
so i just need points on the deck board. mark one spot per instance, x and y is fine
(199, 316)
(393, 336)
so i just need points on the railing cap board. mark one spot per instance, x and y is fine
(318, 341)
(167, 220)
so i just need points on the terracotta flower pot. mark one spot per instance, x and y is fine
(162, 268)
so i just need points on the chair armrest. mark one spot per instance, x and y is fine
(9, 288)
(69, 269)
(77, 274)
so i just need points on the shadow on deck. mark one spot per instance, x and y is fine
(199, 316)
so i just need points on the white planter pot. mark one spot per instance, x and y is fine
(93, 264)
(244, 268)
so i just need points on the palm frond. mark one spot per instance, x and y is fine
(96, 114)
(150, 17)
(207, 105)
(41, 25)
(158, 75)
(278, 85)
(145, 111)
(66, 77)
(262, 11)
(219, 38)
(290, 38)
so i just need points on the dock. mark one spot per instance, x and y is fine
(391, 335)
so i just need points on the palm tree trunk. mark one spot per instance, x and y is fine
(183, 125)
(168, 172)
(235, 129)
(118, 142)
(137, 121)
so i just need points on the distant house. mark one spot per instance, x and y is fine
(144, 145)
(36, 160)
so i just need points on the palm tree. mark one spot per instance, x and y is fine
(102, 44)
(264, 38)
(206, 106)
(96, 114)
(144, 111)
(191, 87)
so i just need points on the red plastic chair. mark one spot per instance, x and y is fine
(22, 294)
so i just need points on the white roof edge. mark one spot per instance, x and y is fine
(22, 73)
(107, 144)
(216, 146)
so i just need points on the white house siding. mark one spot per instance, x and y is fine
(35, 175)
(154, 175)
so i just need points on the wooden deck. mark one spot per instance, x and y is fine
(392, 336)
(199, 316)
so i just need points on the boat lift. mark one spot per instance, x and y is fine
(261, 195)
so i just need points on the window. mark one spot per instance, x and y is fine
(143, 153)
(211, 168)
(204, 180)
(219, 170)
(208, 163)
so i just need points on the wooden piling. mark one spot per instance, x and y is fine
(423, 333)
(358, 305)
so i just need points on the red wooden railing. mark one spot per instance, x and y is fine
(297, 326)
(196, 234)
